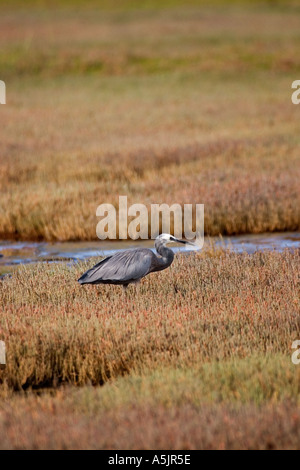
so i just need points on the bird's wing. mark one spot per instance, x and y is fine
(89, 274)
(129, 265)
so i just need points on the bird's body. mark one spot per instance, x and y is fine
(130, 266)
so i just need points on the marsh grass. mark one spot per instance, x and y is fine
(208, 341)
(202, 309)
(250, 403)
(163, 105)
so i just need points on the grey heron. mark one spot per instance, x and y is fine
(129, 266)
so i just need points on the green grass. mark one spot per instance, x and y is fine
(257, 380)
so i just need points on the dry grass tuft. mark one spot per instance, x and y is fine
(202, 309)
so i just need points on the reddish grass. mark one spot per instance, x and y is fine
(201, 309)
(49, 424)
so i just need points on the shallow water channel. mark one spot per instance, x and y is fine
(14, 253)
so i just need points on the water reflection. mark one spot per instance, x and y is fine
(12, 253)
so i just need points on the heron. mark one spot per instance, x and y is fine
(130, 266)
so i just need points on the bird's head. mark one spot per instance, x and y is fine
(167, 238)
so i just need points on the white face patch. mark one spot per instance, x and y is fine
(165, 236)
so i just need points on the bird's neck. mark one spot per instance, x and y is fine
(166, 253)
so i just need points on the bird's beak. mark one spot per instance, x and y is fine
(185, 242)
